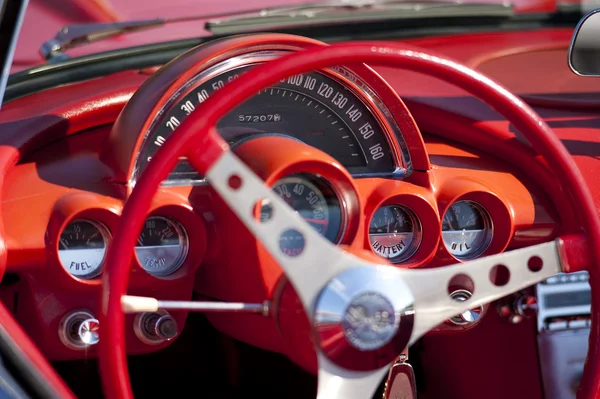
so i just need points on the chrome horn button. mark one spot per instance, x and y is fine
(370, 321)
(364, 318)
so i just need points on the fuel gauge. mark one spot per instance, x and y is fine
(466, 229)
(82, 248)
(394, 233)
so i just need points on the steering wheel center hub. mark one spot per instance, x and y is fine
(370, 321)
(362, 321)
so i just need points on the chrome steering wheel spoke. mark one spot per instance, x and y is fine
(493, 277)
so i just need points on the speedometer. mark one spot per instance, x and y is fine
(321, 109)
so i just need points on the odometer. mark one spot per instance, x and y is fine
(316, 108)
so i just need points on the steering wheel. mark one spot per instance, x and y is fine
(363, 313)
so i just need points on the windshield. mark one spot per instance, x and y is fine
(44, 18)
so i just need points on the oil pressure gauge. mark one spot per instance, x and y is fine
(162, 246)
(82, 248)
(466, 229)
(394, 233)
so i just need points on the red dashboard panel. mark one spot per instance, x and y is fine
(77, 183)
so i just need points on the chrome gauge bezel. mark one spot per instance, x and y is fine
(183, 244)
(344, 76)
(488, 228)
(321, 184)
(106, 237)
(417, 234)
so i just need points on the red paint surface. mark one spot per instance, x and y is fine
(45, 17)
(496, 153)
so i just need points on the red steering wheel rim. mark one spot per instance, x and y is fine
(198, 132)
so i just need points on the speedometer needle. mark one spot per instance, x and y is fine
(317, 221)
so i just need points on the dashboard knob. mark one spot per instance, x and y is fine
(88, 331)
(518, 307)
(526, 306)
(79, 330)
(155, 328)
(165, 327)
(469, 316)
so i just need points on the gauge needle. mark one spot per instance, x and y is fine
(317, 221)
(91, 237)
(63, 242)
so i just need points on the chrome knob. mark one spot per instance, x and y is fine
(165, 327)
(518, 307)
(155, 328)
(526, 306)
(88, 331)
(79, 330)
(469, 316)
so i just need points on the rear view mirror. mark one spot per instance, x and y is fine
(584, 51)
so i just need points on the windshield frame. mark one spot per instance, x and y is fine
(85, 67)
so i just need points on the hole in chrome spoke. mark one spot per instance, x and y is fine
(499, 275)
(535, 264)
(469, 316)
(235, 182)
(461, 282)
(292, 242)
(266, 210)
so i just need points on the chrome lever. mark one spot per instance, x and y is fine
(139, 304)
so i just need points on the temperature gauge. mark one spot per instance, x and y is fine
(394, 233)
(466, 229)
(82, 248)
(162, 246)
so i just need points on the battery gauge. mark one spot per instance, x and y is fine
(394, 233)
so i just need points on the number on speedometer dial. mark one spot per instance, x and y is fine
(314, 200)
(314, 108)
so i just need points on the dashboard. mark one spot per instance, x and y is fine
(376, 159)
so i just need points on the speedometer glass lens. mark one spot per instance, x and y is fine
(315, 201)
(162, 246)
(394, 233)
(313, 107)
(82, 248)
(466, 229)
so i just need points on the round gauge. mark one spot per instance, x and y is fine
(82, 248)
(314, 200)
(316, 108)
(466, 229)
(162, 246)
(394, 233)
